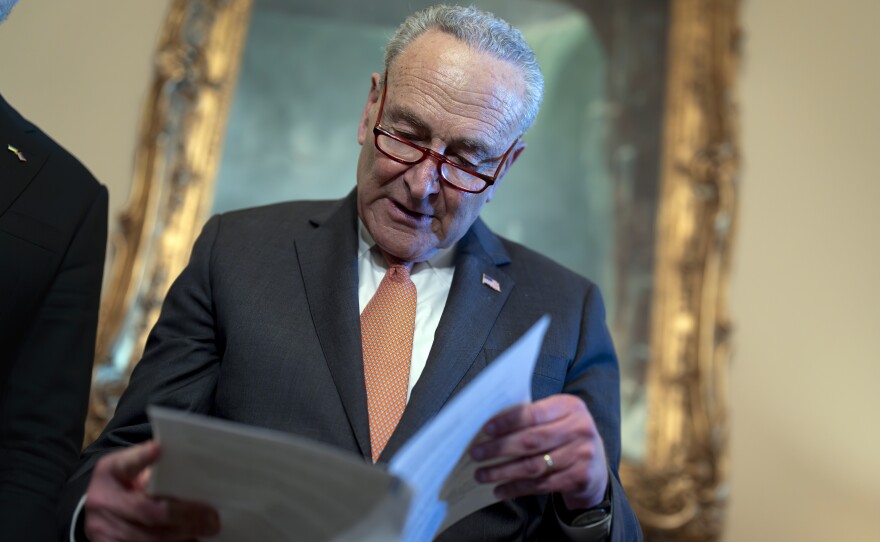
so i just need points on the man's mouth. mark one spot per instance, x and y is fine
(414, 214)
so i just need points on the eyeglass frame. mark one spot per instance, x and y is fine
(440, 159)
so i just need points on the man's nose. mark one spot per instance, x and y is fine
(423, 178)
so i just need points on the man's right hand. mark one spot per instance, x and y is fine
(118, 508)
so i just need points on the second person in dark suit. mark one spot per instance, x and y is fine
(53, 236)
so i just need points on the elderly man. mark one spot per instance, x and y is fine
(328, 319)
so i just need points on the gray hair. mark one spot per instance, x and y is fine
(484, 32)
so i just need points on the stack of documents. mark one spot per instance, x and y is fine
(268, 485)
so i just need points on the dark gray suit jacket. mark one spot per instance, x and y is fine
(53, 234)
(263, 327)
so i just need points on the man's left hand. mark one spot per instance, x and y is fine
(557, 431)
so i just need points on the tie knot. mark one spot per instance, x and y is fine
(398, 273)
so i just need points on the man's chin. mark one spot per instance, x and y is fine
(400, 250)
(402, 243)
(406, 255)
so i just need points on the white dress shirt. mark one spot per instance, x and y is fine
(432, 278)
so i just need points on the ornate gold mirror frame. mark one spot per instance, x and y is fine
(680, 490)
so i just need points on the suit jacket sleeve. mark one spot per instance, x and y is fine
(178, 370)
(595, 377)
(43, 411)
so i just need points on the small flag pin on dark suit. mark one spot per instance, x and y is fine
(16, 152)
(491, 283)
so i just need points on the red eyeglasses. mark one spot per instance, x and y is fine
(403, 151)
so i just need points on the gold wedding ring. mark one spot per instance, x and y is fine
(549, 461)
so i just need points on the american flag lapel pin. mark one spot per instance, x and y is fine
(491, 283)
(16, 152)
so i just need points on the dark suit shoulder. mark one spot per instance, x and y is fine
(75, 178)
(59, 191)
(279, 222)
(288, 213)
(531, 266)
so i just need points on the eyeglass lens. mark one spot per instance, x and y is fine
(405, 153)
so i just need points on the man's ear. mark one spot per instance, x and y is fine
(366, 126)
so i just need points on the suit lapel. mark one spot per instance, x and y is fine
(470, 313)
(15, 175)
(328, 263)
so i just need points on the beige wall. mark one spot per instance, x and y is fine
(806, 298)
(80, 69)
(806, 292)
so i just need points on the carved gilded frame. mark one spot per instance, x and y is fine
(680, 490)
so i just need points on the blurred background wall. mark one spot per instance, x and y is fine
(806, 291)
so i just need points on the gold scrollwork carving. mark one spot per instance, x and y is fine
(175, 164)
(680, 491)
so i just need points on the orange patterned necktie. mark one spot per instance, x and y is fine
(387, 326)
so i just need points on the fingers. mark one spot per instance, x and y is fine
(557, 483)
(578, 470)
(128, 464)
(532, 467)
(533, 440)
(193, 518)
(115, 529)
(117, 507)
(559, 427)
(142, 479)
(535, 428)
(189, 518)
(143, 518)
(537, 413)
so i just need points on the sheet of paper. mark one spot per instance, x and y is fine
(439, 449)
(272, 486)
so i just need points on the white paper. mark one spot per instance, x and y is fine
(271, 486)
(441, 447)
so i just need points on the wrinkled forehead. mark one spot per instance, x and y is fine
(438, 73)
